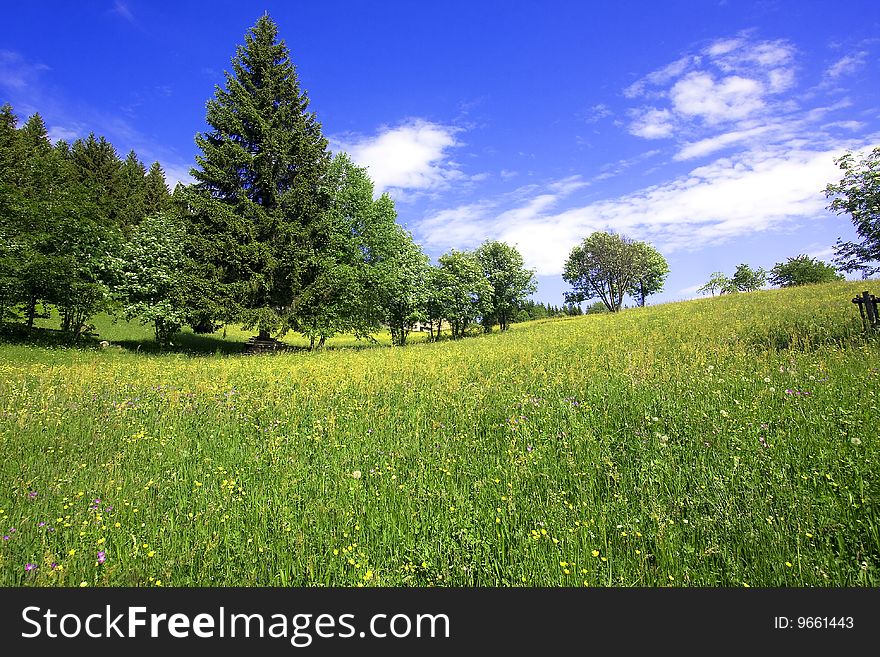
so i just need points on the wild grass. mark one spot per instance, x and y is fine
(726, 441)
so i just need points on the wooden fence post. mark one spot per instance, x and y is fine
(868, 310)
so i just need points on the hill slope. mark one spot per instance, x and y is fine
(716, 442)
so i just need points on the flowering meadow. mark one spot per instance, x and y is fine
(727, 441)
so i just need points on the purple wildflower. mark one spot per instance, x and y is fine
(32, 494)
(30, 566)
(102, 556)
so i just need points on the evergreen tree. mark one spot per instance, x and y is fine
(34, 240)
(98, 169)
(130, 193)
(157, 198)
(256, 208)
(10, 209)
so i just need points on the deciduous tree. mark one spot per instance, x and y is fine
(858, 195)
(651, 271)
(510, 283)
(603, 266)
(803, 270)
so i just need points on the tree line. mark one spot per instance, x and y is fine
(800, 270)
(275, 234)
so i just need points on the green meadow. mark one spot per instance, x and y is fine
(728, 441)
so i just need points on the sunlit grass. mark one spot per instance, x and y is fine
(718, 442)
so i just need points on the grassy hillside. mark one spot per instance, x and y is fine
(726, 441)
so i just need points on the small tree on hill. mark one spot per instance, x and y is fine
(803, 270)
(746, 279)
(651, 271)
(459, 290)
(603, 266)
(717, 282)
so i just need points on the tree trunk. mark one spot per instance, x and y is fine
(31, 310)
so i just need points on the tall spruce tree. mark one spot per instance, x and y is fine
(130, 195)
(255, 211)
(157, 198)
(11, 199)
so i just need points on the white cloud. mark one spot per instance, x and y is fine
(596, 113)
(710, 145)
(759, 190)
(68, 133)
(729, 81)
(413, 156)
(16, 73)
(661, 76)
(846, 65)
(733, 98)
(652, 123)
(175, 172)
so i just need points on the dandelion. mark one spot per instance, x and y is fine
(855, 440)
(595, 553)
(356, 474)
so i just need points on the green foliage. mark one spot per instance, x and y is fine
(651, 270)
(157, 198)
(401, 274)
(151, 276)
(130, 201)
(718, 282)
(608, 266)
(803, 270)
(459, 291)
(510, 283)
(746, 279)
(858, 194)
(255, 213)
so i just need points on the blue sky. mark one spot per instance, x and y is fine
(706, 128)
